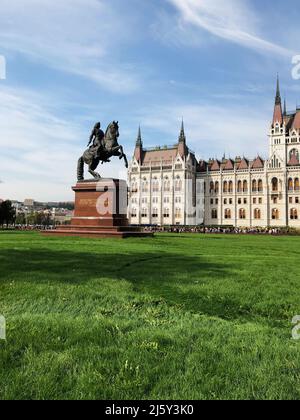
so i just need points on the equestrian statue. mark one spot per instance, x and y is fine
(101, 148)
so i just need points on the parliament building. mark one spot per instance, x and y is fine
(169, 186)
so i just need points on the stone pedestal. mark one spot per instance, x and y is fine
(100, 211)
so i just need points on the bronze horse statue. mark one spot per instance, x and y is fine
(104, 147)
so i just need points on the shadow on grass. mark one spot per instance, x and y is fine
(175, 278)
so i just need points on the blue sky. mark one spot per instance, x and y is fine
(150, 62)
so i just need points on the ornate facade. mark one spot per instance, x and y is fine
(230, 192)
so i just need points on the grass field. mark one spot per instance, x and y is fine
(175, 317)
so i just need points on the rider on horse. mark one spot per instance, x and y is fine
(96, 138)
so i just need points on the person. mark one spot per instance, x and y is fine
(96, 140)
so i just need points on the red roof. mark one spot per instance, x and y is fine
(215, 166)
(258, 163)
(296, 123)
(229, 166)
(244, 164)
(278, 117)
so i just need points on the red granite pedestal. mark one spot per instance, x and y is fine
(100, 212)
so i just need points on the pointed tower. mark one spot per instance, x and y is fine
(278, 115)
(138, 152)
(182, 149)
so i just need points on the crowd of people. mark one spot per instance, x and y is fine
(222, 230)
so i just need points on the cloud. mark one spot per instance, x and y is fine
(232, 20)
(39, 148)
(211, 130)
(81, 37)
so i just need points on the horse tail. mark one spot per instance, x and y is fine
(80, 169)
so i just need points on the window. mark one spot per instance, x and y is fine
(294, 214)
(167, 184)
(260, 200)
(155, 185)
(239, 201)
(245, 200)
(260, 186)
(145, 185)
(230, 187)
(245, 186)
(212, 187)
(242, 214)
(225, 201)
(291, 200)
(178, 213)
(294, 153)
(254, 200)
(275, 214)
(274, 185)
(275, 200)
(166, 200)
(297, 200)
(211, 201)
(227, 214)
(133, 213)
(134, 186)
(166, 213)
(254, 186)
(290, 184)
(230, 201)
(155, 213)
(217, 187)
(144, 213)
(297, 184)
(217, 201)
(225, 187)
(144, 200)
(214, 214)
(177, 200)
(178, 184)
(257, 214)
(239, 187)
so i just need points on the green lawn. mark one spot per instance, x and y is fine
(174, 317)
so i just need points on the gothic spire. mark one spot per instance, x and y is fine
(278, 95)
(139, 142)
(182, 138)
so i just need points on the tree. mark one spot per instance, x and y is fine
(7, 213)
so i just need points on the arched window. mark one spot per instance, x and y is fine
(178, 184)
(275, 214)
(290, 184)
(214, 214)
(225, 187)
(227, 214)
(294, 214)
(294, 153)
(212, 187)
(275, 185)
(260, 186)
(245, 186)
(257, 214)
(239, 187)
(133, 212)
(254, 186)
(242, 214)
(155, 185)
(297, 184)
(145, 185)
(230, 187)
(217, 187)
(167, 184)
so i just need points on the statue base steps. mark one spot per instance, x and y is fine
(100, 212)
